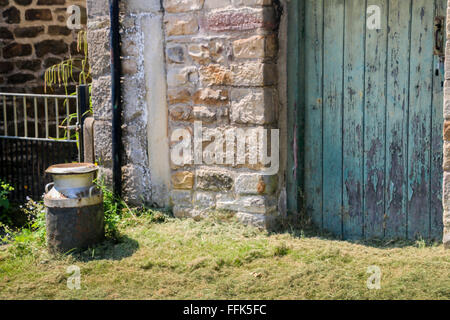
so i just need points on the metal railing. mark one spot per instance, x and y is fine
(11, 108)
(37, 131)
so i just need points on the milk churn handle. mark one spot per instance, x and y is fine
(91, 189)
(48, 186)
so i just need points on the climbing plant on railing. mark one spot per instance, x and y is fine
(67, 73)
(70, 71)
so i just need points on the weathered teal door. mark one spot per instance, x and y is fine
(372, 126)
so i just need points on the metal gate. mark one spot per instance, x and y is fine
(37, 131)
(372, 118)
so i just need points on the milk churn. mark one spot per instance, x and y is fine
(74, 208)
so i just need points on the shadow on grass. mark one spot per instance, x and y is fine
(298, 226)
(115, 250)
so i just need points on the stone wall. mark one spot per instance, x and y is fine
(446, 191)
(143, 93)
(33, 37)
(221, 70)
(212, 61)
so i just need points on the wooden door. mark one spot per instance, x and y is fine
(373, 100)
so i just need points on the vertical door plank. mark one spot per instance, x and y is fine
(313, 108)
(332, 115)
(375, 116)
(436, 219)
(420, 118)
(397, 118)
(353, 132)
(295, 74)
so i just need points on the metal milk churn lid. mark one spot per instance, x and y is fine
(74, 207)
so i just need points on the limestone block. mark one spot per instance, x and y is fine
(211, 97)
(176, 6)
(447, 156)
(204, 200)
(446, 192)
(253, 183)
(213, 180)
(253, 106)
(253, 74)
(249, 204)
(180, 76)
(183, 180)
(179, 95)
(215, 75)
(177, 25)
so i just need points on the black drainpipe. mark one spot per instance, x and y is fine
(115, 96)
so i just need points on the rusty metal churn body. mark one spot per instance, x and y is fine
(74, 208)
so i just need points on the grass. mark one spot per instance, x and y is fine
(215, 259)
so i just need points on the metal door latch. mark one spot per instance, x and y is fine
(439, 41)
(439, 44)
